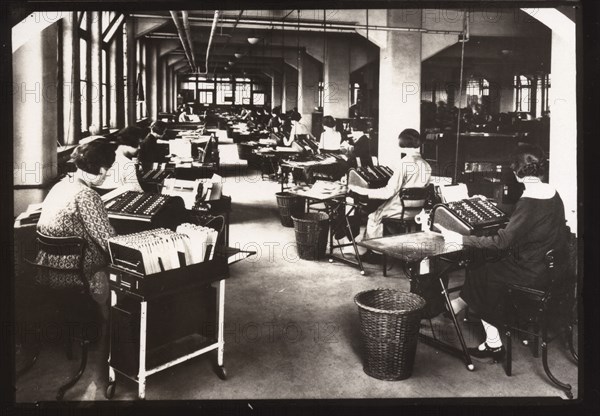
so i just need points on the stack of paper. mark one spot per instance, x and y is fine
(159, 248)
(202, 240)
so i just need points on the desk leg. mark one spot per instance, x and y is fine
(349, 227)
(142, 366)
(221, 318)
(461, 338)
(112, 378)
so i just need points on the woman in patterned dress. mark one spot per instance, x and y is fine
(72, 208)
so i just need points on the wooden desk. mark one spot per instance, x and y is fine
(418, 249)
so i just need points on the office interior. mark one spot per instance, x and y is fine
(474, 83)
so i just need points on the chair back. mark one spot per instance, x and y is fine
(416, 197)
(61, 247)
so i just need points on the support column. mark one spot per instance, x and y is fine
(276, 88)
(131, 70)
(309, 71)
(96, 70)
(35, 109)
(163, 84)
(336, 77)
(167, 92)
(117, 84)
(562, 100)
(71, 97)
(152, 80)
(174, 90)
(399, 84)
(289, 98)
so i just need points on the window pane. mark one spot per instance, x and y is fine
(84, 21)
(258, 98)
(83, 86)
(104, 77)
(104, 106)
(105, 20)
(83, 59)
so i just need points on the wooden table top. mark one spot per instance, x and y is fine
(412, 247)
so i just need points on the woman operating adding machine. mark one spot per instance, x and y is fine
(536, 226)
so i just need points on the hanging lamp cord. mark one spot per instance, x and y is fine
(460, 86)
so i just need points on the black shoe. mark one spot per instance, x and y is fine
(496, 353)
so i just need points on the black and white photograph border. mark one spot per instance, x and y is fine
(316, 292)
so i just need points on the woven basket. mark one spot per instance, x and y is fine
(389, 326)
(289, 205)
(311, 230)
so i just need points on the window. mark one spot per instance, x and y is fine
(258, 98)
(522, 86)
(84, 75)
(242, 93)
(321, 89)
(224, 93)
(105, 92)
(205, 97)
(354, 93)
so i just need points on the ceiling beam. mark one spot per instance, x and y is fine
(148, 25)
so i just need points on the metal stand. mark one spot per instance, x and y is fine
(333, 207)
(436, 343)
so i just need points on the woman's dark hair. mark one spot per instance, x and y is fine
(295, 116)
(329, 121)
(130, 136)
(529, 160)
(158, 127)
(410, 138)
(358, 125)
(276, 110)
(92, 156)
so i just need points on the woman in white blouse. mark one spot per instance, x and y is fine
(330, 139)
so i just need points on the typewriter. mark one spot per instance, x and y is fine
(471, 216)
(370, 176)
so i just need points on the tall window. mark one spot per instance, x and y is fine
(354, 93)
(321, 93)
(105, 90)
(522, 93)
(477, 89)
(84, 73)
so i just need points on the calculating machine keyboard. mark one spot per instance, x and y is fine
(471, 216)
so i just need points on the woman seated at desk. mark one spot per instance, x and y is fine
(150, 152)
(412, 172)
(358, 145)
(72, 208)
(536, 226)
(330, 139)
(297, 129)
(124, 171)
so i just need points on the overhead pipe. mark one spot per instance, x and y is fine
(181, 33)
(212, 33)
(318, 26)
(188, 35)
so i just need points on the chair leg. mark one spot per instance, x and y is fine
(570, 342)
(84, 353)
(508, 368)
(535, 345)
(565, 387)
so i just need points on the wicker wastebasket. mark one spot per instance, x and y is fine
(389, 327)
(289, 205)
(311, 230)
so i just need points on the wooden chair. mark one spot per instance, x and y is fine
(406, 221)
(534, 312)
(74, 305)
